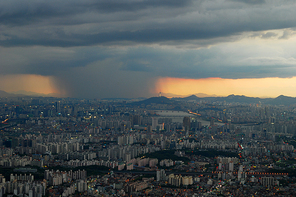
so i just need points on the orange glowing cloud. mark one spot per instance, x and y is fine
(32, 83)
(255, 87)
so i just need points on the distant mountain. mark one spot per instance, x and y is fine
(4, 94)
(202, 95)
(230, 98)
(177, 96)
(35, 94)
(28, 93)
(281, 100)
(197, 96)
(192, 97)
(170, 95)
(124, 99)
(155, 100)
(239, 99)
(22, 93)
(188, 98)
(10, 95)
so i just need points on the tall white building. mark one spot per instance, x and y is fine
(154, 123)
(160, 175)
(231, 166)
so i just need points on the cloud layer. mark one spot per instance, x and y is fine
(112, 48)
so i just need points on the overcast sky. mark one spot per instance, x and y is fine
(122, 48)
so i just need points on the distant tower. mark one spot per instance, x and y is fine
(58, 106)
(212, 122)
(136, 120)
(154, 123)
(159, 94)
(186, 123)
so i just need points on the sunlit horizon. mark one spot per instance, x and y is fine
(172, 87)
(29, 83)
(252, 87)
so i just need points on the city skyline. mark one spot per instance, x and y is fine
(130, 49)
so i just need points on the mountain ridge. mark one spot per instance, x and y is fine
(280, 100)
(22, 93)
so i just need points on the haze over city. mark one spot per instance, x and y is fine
(137, 48)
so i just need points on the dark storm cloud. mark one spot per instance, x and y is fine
(131, 72)
(98, 72)
(104, 79)
(49, 60)
(250, 1)
(25, 12)
(86, 23)
(134, 5)
(104, 48)
(142, 36)
(204, 63)
(220, 61)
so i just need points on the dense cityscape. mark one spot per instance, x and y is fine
(146, 147)
(147, 98)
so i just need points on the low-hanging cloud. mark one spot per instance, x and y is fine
(104, 79)
(87, 23)
(108, 48)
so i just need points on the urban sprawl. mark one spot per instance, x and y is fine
(152, 147)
